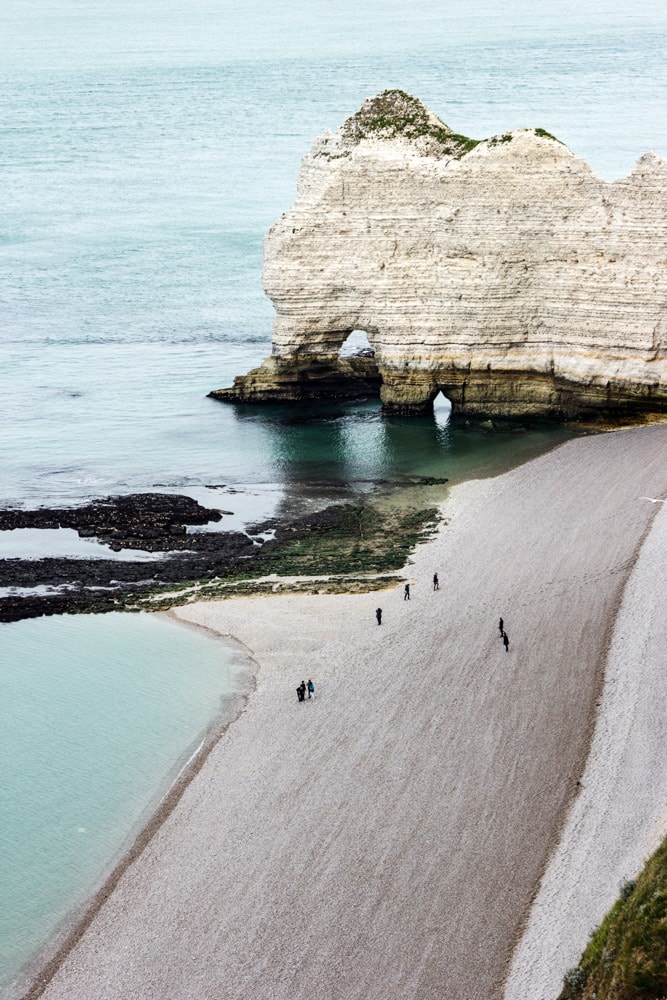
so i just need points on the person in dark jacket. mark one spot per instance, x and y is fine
(378, 615)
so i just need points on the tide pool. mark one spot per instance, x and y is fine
(64, 543)
(98, 714)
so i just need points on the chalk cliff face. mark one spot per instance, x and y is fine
(503, 272)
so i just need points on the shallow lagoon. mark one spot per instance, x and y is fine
(98, 715)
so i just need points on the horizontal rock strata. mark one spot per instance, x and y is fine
(306, 377)
(502, 272)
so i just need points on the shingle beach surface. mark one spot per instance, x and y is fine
(385, 840)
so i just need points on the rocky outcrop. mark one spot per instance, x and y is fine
(136, 521)
(149, 522)
(502, 272)
(305, 377)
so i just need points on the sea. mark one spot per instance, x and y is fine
(145, 149)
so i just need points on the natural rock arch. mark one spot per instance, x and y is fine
(443, 407)
(503, 271)
(357, 343)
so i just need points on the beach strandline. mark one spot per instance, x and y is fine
(387, 839)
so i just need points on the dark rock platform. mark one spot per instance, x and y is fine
(149, 522)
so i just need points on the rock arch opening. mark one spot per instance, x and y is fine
(442, 409)
(356, 344)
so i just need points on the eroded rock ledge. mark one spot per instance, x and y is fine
(502, 272)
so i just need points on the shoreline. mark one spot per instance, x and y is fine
(477, 488)
(36, 974)
(154, 523)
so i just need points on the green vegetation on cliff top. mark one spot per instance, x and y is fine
(395, 113)
(626, 958)
(546, 135)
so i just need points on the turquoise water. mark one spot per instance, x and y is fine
(96, 715)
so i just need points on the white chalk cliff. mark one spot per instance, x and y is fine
(503, 272)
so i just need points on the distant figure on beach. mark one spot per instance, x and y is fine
(301, 691)
(506, 642)
(436, 582)
(378, 615)
(501, 626)
(311, 689)
(406, 594)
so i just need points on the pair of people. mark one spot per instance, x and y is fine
(406, 590)
(406, 596)
(303, 687)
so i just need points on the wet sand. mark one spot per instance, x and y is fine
(386, 840)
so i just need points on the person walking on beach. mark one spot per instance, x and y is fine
(311, 689)
(501, 626)
(378, 615)
(406, 594)
(301, 691)
(506, 642)
(436, 582)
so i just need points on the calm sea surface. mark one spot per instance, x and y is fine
(145, 148)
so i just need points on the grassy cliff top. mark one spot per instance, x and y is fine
(396, 114)
(626, 957)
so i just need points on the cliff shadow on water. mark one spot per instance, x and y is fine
(356, 445)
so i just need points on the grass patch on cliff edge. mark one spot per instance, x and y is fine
(626, 957)
(542, 132)
(395, 113)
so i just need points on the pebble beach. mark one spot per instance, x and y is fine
(388, 838)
